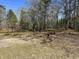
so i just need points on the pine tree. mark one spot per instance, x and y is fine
(23, 23)
(11, 20)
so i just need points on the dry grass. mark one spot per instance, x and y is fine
(31, 52)
(62, 47)
(36, 52)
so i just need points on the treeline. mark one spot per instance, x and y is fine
(71, 12)
(44, 15)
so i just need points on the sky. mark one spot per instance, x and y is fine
(15, 5)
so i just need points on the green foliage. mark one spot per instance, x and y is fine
(62, 23)
(11, 19)
(23, 23)
(77, 25)
(43, 7)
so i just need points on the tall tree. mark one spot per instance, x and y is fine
(71, 8)
(40, 13)
(44, 4)
(11, 20)
(22, 20)
(2, 15)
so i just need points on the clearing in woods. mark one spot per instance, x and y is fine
(29, 45)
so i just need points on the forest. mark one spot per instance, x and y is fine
(44, 29)
(51, 14)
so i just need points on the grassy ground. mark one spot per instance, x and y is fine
(30, 52)
(62, 47)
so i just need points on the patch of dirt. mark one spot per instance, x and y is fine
(10, 41)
